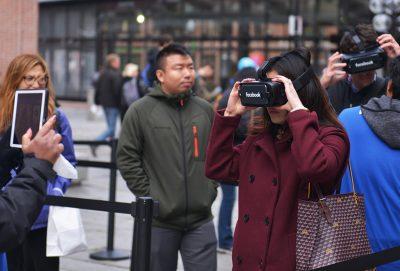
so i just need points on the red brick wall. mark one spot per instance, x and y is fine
(19, 21)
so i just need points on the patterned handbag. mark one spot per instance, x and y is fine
(330, 230)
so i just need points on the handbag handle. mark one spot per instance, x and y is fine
(321, 199)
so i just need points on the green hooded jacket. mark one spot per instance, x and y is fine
(161, 153)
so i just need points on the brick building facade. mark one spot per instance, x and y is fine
(18, 29)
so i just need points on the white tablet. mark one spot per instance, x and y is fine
(30, 111)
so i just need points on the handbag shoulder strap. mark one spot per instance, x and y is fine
(319, 191)
(352, 182)
(351, 176)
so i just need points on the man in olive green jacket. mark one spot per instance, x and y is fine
(161, 154)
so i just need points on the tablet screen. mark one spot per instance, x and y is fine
(30, 110)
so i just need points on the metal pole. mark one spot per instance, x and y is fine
(296, 7)
(316, 37)
(142, 234)
(112, 196)
(110, 253)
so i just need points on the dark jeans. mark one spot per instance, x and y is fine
(31, 255)
(225, 238)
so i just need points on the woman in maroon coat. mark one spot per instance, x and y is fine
(294, 144)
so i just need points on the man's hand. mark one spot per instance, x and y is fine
(389, 44)
(46, 145)
(334, 72)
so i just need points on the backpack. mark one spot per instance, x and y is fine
(130, 92)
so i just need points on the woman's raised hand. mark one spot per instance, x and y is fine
(235, 107)
(294, 103)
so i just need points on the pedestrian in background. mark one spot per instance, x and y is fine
(30, 72)
(161, 153)
(205, 87)
(108, 95)
(132, 89)
(148, 75)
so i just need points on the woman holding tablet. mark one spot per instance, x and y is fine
(30, 72)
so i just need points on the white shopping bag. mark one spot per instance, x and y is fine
(65, 233)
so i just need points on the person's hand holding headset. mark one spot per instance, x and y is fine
(294, 103)
(235, 107)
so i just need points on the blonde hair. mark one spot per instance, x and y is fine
(13, 77)
(129, 69)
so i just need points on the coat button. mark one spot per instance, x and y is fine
(275, 181)
(266, 221)
(239, 260)
(246, 218)
(261, 264)
(252, 178)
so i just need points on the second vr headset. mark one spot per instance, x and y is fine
(366, 59)
(266, 93)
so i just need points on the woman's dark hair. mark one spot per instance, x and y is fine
(313, 95)
(394, 75)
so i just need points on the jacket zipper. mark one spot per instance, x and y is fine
(195, 142)
(184, 166)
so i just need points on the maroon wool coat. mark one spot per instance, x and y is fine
(273, 175)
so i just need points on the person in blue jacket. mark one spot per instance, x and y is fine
(374, 133)
(29, 71)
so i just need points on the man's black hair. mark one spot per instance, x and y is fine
(394, 75)
(171, 49)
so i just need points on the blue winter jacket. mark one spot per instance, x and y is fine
(59, 186)
(3, 262)
(376, 173)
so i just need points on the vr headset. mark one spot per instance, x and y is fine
(367, 59)
(266, 93)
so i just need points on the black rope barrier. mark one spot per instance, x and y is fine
(142, 210)
(109, 253)
(96, 164)
(365, 262)
(93, 142)
(90, 204)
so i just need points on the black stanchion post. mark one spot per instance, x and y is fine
(112, 197)
(140, 260)
(110, 253)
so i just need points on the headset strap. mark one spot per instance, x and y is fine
(356, 39)
(303, 79)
